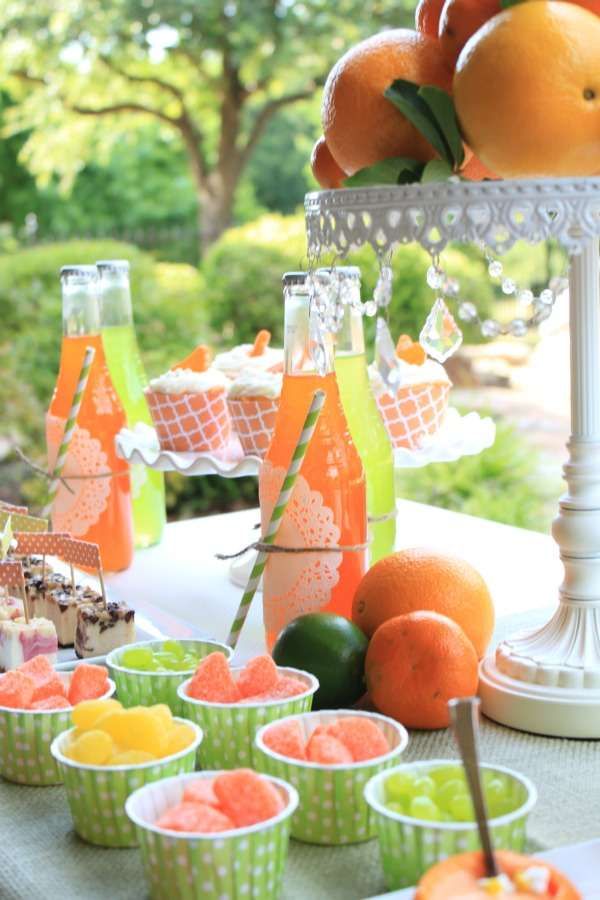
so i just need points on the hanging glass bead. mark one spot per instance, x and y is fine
(546, 297)
(440, 336)
(370, 308)
(451, 287)
(525, 296)
(508, 286)
(434, 277)
(518, 327)
(467, 311)
(495, 268)
(490, 328)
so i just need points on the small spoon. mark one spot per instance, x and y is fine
(464, 714)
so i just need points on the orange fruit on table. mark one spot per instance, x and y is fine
(417, 579)
(460, 19)
(474, 170)
(415, 664)
(456, 878)
(324, 167)
(361, 126)
(427, 16)
(527, 91)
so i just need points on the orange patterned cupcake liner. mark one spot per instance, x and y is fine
(415, 413)
(191, 422)
(253, 420)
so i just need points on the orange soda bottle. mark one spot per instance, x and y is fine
(328, 504)
(91, 509)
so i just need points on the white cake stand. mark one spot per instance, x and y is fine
(140, 446)
(547, 680)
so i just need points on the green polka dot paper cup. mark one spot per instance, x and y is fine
(25, 739)
(229, 728)
(409, 847)
(97, 794)
(245, 864)
(138, 688)
(332, 808)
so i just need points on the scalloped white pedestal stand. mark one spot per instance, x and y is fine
(548, 680)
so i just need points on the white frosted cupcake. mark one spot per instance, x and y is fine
(253, 402)
(258, 357)
(189, 408)
(414, 410)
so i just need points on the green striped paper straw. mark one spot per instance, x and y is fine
(276, 516)
(63, 450)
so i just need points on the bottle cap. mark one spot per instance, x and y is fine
(348, 272)
(112, 265)
(81, 273)
(291, 278)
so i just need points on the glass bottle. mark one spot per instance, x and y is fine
(366, 426)
(328, 504)
(96, 509)
(128, 376)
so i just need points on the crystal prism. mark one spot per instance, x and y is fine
(441, 336)
(386, 361)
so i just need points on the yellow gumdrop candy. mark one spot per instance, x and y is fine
(87, 713)
(93, 748)
(115, 724)
(180, 738)
(163, 714)
(131, 758)
(144, 731)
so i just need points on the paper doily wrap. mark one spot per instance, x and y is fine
(191, 421)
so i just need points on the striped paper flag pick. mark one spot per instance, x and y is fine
(11, 574)
(80, 553)
(46, 542)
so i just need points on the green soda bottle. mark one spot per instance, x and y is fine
(128, 376)
(366, 426)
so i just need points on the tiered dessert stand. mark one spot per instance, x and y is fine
(547, 680)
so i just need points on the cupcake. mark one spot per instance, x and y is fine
(258, 357)
(253, 401)
(413, 408)
(188, 405)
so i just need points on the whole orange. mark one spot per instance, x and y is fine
(474, 170)
(418, 579)
(427, 16)
(460, 19)
(415, 664)
(361, 126)
(527, 91)
(324, 167)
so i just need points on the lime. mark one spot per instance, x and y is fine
(330, 647)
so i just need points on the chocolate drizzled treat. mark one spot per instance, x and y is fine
(101, 628)
(60, 605)
(39, 586)
(33, 566)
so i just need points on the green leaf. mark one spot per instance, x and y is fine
(506, 4)
(405, 97)
(442, 106)
(388, 171)
(436, 170)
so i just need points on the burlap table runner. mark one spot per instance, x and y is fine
(42, 859)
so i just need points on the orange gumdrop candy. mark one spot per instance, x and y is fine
(197, 361)
(261, 342)
(410, 351)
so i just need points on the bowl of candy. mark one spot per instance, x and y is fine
(216, 834)
(36, 703)
(423, 813)
(329, 756)
(112, 751)
(231, 703)
(151, 671)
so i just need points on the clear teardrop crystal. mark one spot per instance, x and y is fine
(440, 336)
(386, 361)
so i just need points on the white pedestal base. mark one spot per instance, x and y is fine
(554, 711)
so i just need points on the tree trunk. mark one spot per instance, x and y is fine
(215, 206)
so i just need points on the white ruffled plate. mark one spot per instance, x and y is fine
(140, 445)
(459, 436)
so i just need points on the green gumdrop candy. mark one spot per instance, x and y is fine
(448, 791)
(137, 658)
(461, 808)
(425, 808)
(174, 648)
(399, 787)
(424, 786)
(396, 808)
